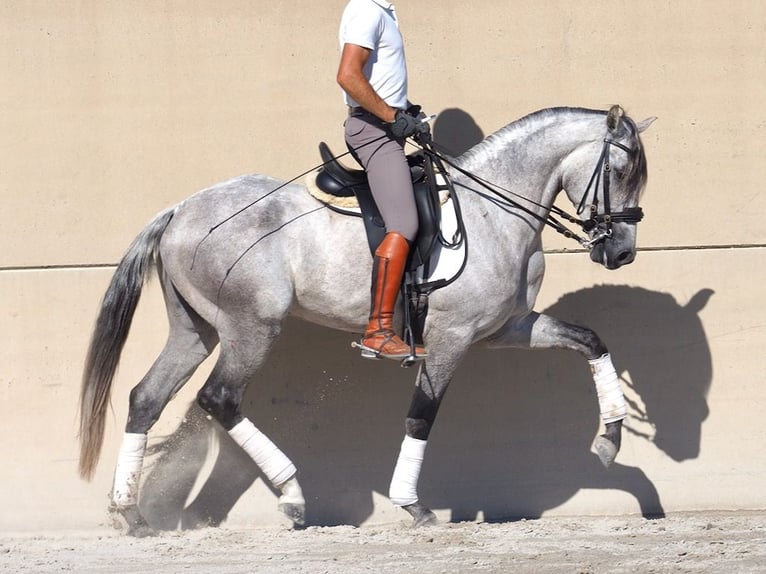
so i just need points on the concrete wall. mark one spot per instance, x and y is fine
(111, 111)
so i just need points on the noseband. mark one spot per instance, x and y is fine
(602, 222)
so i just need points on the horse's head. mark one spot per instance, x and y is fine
(607, 195)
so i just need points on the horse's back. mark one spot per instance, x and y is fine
(219, 236)
(260, 246)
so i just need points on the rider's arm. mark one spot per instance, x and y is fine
(352, 79)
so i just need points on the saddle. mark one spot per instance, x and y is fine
(340, 181)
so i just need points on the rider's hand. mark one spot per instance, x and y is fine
(423, 134)
(404, 125)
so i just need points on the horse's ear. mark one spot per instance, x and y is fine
(613, 117)
(642, 126)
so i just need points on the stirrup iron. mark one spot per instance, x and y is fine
(370, 353)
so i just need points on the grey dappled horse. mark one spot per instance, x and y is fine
(235, 259)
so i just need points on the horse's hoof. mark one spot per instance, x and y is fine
(422, 516)
(130, 520)
(291, 503)
(606, 450)
(295, 512)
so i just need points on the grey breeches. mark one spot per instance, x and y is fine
(386, 165)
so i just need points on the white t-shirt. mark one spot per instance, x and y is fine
(372, 24)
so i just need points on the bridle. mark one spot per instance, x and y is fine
(599, 226)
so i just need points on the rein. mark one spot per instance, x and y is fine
(600, 221)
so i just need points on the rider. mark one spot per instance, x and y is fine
(373, 75)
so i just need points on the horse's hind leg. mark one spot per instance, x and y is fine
(538, 331)
(221, 397)
(190, 341)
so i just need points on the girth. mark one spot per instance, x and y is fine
(340, 181)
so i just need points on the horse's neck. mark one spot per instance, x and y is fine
(530, 148)
(513, 167)
(523, 160)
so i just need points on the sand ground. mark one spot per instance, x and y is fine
(682, 542)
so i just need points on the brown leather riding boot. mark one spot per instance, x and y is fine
(387, 270)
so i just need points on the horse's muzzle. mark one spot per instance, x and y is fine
(612, 255)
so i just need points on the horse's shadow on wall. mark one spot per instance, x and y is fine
(513, 438)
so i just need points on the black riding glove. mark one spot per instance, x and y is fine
(404, 125)
(423, 135)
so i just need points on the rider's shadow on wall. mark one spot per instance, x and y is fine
(512, 440)
(455, 131)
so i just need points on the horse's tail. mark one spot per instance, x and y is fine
(109, 335)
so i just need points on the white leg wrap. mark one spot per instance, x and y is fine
(404, 484)
(127, 475)
(272, 461)
(611, 401)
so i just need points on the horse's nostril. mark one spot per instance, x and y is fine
(625, 256)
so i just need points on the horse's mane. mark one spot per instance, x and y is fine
(520, 126)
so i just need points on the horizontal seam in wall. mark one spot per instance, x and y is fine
(65, 267)
(670, 248)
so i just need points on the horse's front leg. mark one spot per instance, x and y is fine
(538, 331)
(433, 379)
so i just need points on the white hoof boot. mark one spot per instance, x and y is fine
(606, 450)
(291, 503)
